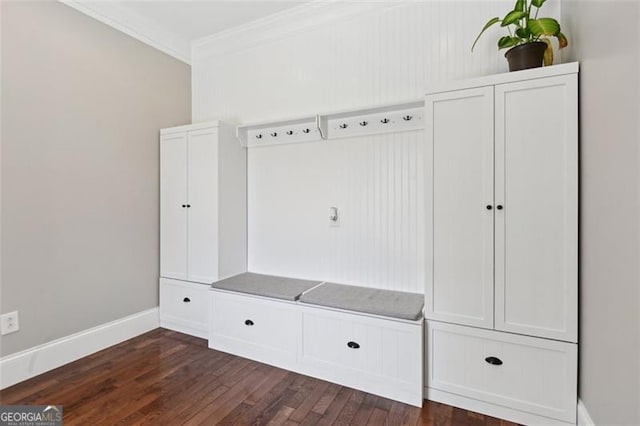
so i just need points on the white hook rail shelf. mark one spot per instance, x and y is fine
(391, 118)
(304, 129)
(382, 119)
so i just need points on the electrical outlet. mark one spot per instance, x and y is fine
(9, 323)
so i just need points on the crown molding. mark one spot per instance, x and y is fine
(283, 24)
(135, 26)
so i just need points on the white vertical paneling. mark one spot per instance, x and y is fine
(381, 55)
(374, 181)
(385, 53)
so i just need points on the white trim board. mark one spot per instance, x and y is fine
(135, 26)
(584, 419)
(29, 363)
(489, 409)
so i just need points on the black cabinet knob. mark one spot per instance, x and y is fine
(489, 207)
(493, 360)
(353, 345)
(184, 205)
(499, 207)
(186, 300)
(248, 322)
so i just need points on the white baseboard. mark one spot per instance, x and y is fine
(493, 410)
(29, 363)
(584, 419)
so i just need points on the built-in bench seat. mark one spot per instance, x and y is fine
(388, 303)
(364, 338)
(266, 285)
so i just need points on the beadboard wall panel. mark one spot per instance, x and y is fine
(376, 184)
(334, 56)
(381, 53)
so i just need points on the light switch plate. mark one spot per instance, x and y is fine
(334, 218)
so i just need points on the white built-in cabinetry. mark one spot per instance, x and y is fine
(379, 355)
(202, 218)
(386, 360)
(502, 244)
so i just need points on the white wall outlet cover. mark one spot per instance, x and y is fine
(9, 323)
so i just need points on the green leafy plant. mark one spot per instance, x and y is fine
(525, 28)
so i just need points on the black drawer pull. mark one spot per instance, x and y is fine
(353, 345)
(186, 300)
(493, 360)
(248, 322)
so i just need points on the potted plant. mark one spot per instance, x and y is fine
(529, 36)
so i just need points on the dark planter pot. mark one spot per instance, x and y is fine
(525, 56)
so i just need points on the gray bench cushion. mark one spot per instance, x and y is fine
(388, 303)
(266, 285)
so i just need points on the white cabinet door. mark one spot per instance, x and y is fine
(536, 230)
(459, 212)
(173, 211)
(203, 207)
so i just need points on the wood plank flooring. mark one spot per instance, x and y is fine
(168, 378)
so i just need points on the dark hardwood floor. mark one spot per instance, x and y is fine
(168, 378)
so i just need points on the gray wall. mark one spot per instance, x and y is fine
(81, 107)
(604, 37)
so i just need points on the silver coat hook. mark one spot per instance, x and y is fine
(306, 131)
(289, 132)
(344, 126)
(384, 120)
(259, 136)
(364, 123)
(407, 117)
(274, 134)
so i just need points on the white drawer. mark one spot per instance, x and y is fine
(265, 330)
(183, 306)
(529, 374)
(372, 354)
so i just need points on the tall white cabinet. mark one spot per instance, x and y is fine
(502, 244)
(202, 218)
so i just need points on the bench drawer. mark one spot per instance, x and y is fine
(183, 307)
(265, 330)
(529, 374)
(372, 354)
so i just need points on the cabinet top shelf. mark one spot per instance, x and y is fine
(508, 77)
(191, 127)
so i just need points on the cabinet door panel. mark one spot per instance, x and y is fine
(536, 232)
(173, 217)
(459, 241)
(203, 210)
